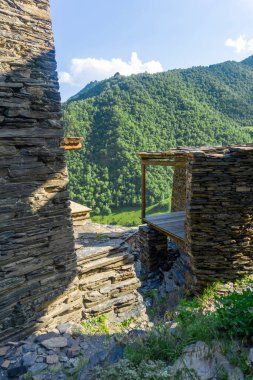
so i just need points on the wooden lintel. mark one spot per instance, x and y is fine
(163, 163)
(173, 153)
(72, 143)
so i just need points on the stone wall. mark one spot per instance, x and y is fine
(153, 249)
(37, 260)
(178, 201)
(107, 280)
(220, 213)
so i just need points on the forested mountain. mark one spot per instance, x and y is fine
(123, 115)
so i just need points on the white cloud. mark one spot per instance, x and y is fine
(240, 44)
(64, 77)
(85, 70)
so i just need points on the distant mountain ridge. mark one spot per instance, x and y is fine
(122, 115)
(248, 61)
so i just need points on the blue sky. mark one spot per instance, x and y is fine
(94, 39)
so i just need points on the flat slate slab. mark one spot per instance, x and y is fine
(99, 249)
(171, 224)
(76, 208)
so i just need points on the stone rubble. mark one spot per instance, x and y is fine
(67, 352)
(57, 354)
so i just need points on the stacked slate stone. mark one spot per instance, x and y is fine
(220, 213)
(37, 259)
(178, 199)
(107, 280)
(179, 280)
(79, 213)
(153, 249)
(173, 265)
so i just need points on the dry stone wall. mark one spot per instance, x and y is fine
(178, 202)
(220, 214)
(153, 249)
(37, 259)
(108, 282)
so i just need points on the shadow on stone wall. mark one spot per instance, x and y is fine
(37, 258)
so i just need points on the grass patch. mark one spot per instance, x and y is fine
(130, 216)
(125, 324)
(159, 344)
(96, 325)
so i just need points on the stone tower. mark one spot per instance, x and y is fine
(37, 259)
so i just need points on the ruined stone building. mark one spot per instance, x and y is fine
(43, 281)
(212, 211)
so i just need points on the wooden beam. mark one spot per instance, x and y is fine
(163, 163)
(143, 191)
(173, 153)
(72, 143)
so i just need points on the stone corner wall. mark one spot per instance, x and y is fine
(37, 259)
(178, 201)
(220, 215)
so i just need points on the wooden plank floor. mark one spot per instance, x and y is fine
(171, 224)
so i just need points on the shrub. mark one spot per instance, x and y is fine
(234, 314)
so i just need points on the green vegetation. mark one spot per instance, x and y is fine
(125, 324)
(235, 313)
(131, 216)
(96, 325)
(126, 370)
(224, 321)
(249, 130)
(123, 115)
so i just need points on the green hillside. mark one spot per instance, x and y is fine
(123, 115)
